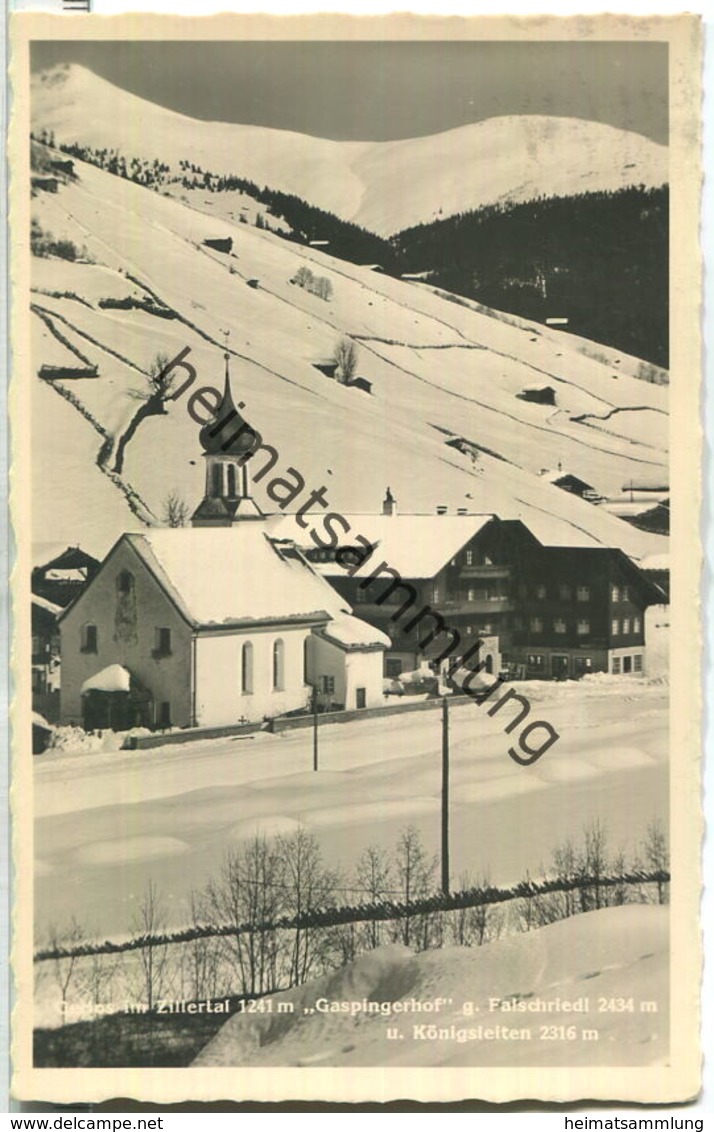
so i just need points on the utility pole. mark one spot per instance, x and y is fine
(445, 795)
(314, 727)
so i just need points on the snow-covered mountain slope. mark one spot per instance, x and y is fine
(384, 186)
(440, 371)
(592, 961)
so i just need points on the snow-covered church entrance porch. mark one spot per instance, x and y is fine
(115, 700)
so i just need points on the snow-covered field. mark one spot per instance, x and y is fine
(438, 370)
(108, 822)
(591, 990)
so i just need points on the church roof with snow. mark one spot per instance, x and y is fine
(234, 576)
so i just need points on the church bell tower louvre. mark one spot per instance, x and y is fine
(228, 442)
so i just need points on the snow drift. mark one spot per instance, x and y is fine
(591, 990)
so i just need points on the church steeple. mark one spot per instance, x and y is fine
(228, 442)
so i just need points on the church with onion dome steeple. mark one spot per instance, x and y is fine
(228, 442)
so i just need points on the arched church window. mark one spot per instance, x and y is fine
(246, 670)
(278, 665)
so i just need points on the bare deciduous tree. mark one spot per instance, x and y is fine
(150, 922)
(322, 287)
(64, 967)
(176, 511)
(159, 381)
(303, 277)
(249, 891)
(374, 878)
(415, 878)
(345, 360)
(309, 886)
(656, 854)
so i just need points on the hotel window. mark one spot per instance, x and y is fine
(471, 595)
(583, 593)
(246, 668)
(162, 642)
(90, 638)
(637, 660)
(616, 666)
(625, 593)
(536, 625)
(541, 592)
(615, 593)
(535, 660)
(469, 630)
(565, 593)
(278, 665)
(583, 628)
(487, 628)
(615, 627)
(636, 625)
(469, 557)
(559, 625)
(626, 626)
(328, 685)
(435, 593)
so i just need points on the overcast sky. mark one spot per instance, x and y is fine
(375, 91)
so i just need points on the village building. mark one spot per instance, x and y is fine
(58, 577)
(216, 624)
(62, 577)
(458, 566)
(580, 610)
(540, 611)
(45, 658)
(571, 483)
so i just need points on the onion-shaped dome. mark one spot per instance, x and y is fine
(228, 433)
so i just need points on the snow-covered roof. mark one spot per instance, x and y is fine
(417, 546)
(113, 678)
(235, 575)
(351, 633)
(48, 606)
(555, 475)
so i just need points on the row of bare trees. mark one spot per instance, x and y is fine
(263, 883)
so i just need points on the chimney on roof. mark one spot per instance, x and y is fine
(389, 504)
(442, 509)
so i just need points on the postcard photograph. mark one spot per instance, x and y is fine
(355, 384)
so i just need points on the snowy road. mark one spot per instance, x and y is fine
(106, 823)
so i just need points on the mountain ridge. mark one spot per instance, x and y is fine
(382, 186)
